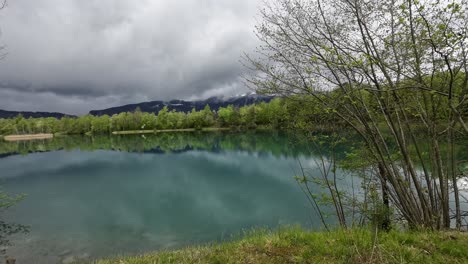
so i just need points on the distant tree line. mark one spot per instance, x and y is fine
(295, 112)
(278, 114)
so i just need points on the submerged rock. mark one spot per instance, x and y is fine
(10, 260)
(69, 260)
(64, 253)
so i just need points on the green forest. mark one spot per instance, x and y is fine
(279, 114)
(293, 112)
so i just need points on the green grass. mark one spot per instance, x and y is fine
(216, 129)
(133, 132)
(340, 246)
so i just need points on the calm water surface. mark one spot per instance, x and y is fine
(95, 197)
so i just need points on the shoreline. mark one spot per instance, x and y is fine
(27, 137)
(138, 132)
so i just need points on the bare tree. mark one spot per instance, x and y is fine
(392, 70)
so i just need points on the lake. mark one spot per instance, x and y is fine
(91, 197)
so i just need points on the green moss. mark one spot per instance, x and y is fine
(340, 246)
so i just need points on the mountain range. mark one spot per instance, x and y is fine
(155, 106)
(185, 106)
(27, 114)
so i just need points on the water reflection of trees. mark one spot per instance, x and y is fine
(275, 143)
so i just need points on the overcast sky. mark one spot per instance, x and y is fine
(73, 56)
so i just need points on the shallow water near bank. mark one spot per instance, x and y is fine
(97, 197)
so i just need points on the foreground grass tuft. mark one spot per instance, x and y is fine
(340, 246)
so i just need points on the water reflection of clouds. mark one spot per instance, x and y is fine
(21, 166)
(463, 184)
(149, 201)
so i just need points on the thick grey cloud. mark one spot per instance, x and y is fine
(74, 56)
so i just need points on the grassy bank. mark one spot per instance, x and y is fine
(133, 132)
(296, 246)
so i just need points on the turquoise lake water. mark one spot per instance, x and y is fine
(96, 197)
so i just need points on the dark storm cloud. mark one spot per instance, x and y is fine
(78, 88)
(73, 56)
